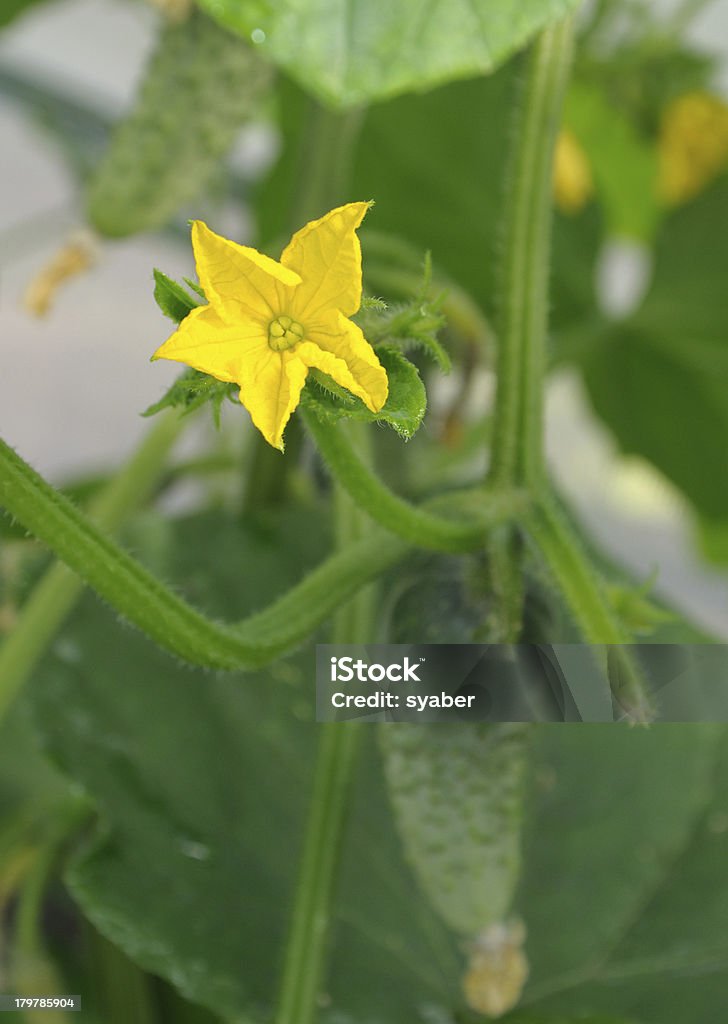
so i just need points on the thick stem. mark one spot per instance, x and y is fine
(55, 595)
(517, 455)
(354, 621)
(407, 521)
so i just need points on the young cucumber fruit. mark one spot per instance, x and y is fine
(201, 85)
(457, 790)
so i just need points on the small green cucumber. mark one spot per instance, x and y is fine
(457, 792)
(201, 85)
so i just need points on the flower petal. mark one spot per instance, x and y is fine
(327, 255)
(207, 343)
(238, 279)
(338, 347)
(271, 391)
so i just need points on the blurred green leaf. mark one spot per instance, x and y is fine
(348, 52)
(34, 790)
(660, 379)
(403, 411)
(713, 537)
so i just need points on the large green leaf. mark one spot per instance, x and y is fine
(639, 796)
(669, 958)
(660, 380)
(623, 164)
(201, 783)
(354, 51)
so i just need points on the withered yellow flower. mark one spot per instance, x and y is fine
(267, 323)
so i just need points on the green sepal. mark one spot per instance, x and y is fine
(193, 389)
(173, 300)
(403, 410)
(408, 325)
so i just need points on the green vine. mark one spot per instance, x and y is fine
(55, 595)
(419, 527)
(155, 609)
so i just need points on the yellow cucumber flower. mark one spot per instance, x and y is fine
(267, 323)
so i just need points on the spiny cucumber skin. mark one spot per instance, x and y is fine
(457, 792)
(201, 85)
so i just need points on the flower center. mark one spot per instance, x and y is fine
(284, 333)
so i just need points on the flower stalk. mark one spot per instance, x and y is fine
(418, 526)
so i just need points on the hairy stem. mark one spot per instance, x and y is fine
(414, 524)
(170, 621)
(55, 595)
(517, 455)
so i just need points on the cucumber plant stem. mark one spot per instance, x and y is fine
(170, 621)
(414, 524)
(517, 456)
(517, 452)
(55, 595)
(517, 446)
